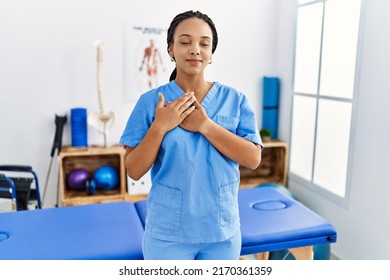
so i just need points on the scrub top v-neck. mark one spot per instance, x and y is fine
(194, 190)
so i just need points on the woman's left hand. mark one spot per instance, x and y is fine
(238, 149)
(197, 120)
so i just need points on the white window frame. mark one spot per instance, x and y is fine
(309, 184)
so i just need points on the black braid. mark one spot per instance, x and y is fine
(186, 15)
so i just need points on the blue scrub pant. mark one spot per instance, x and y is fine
(156, 249)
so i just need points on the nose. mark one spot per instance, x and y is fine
(195, 52)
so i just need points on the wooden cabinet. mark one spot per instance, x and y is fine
(91, 159)
(272, 169)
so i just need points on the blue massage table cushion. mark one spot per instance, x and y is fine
(96, 231)
(271, 220)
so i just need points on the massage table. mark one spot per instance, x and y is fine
(109, 231)
(270, 220)
(273, 221)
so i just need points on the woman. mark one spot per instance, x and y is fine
(193, 134)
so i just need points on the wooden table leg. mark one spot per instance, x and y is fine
(262, 256)
(302, 253)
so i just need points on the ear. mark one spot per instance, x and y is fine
(170, 51)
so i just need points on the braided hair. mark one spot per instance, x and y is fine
(186, 15)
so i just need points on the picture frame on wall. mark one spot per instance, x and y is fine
(146, 61)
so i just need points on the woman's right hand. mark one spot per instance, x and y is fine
(170, 115)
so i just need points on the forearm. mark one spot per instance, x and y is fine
(246, 153)
(140, 159)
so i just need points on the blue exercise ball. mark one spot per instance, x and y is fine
(106, 177)
(77, 178)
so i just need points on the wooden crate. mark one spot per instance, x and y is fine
(91, 159)
(272, 169)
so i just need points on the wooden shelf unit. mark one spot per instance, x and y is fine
(91, 158)
(272, 169)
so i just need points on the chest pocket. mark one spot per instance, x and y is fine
(228, 122)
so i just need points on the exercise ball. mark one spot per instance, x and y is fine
(106, 177)
(77, 178)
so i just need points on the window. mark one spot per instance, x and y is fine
(323, 98)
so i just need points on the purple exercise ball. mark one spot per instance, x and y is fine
(77, 179)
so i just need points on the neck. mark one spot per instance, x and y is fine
(197, 85)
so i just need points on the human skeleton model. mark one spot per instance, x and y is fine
(101, 120)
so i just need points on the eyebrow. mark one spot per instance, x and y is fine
(188, 35)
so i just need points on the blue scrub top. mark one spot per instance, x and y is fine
(194, 190)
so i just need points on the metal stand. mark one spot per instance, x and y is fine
(57, 144)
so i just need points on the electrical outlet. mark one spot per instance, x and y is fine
(142, 186)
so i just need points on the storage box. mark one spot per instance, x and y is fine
(272, 169)
(91, 159)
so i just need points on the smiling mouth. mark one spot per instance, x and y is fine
(194, 61)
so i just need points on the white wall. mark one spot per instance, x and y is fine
(363, 225)
(47, 64)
